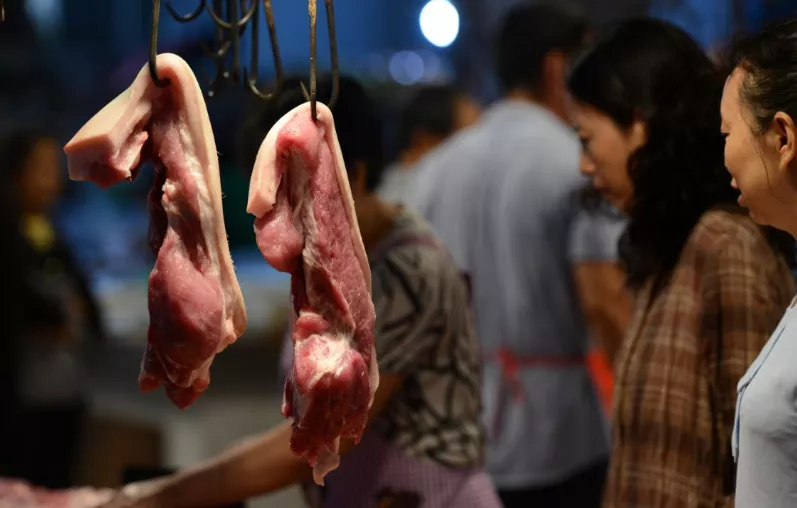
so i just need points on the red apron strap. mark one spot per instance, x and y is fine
(511, 364)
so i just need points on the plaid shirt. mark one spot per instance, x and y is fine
(683, 356)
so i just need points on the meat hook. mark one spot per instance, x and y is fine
(153, 46)
(191, 16)
(312, 96)
(229, 33)
(251, 80)
(203, 4)
(218, 55)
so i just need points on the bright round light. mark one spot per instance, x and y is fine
(439, 22)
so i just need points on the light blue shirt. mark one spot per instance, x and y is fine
(765, 432)
(500, 195)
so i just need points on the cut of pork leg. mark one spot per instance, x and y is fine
(195, 304)
(306, 226)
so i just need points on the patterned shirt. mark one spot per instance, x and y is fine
(424, 332)
(684, 354)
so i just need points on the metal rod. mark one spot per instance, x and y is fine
(333, 53)
(153, 46)
(312, 96)
(251, 79)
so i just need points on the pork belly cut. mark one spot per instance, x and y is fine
(306, 226)
(195, 304)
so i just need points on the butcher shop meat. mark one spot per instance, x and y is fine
(306, 226)
(19, 494)
(195, 304)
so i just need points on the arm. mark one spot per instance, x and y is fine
(259, 465)
(599, 280)
(265, 464)
(605, 302)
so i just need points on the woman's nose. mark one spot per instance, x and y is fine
(586, 166)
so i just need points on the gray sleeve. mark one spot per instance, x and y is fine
(594, 236)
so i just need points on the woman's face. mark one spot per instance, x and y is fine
(761, 164)
(606, 150)
(41, 180)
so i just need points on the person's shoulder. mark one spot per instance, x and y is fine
(730, 234)
(415, 246)
(719, 227)
(456, 149)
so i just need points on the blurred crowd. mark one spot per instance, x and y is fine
(578, 287)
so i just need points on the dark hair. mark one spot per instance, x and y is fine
(357, 122)
(530, 32)
(769, 59)
(431, 109)
(650, 70)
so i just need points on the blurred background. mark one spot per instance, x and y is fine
(62, 61)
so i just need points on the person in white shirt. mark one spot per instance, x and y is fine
(503, 195)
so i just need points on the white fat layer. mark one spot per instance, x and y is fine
(330, 359)
(328, 460)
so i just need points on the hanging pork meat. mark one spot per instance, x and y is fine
(306, 226)
(195, 304)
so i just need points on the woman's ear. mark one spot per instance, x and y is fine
(785, 139)
(637, 135)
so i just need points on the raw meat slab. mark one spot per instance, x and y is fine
(19, 494)
(195, 304)
(306, 226)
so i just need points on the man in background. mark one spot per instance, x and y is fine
(431, 115)
(503, 196)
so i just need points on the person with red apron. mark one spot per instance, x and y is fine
(423, 445)
(503, 196)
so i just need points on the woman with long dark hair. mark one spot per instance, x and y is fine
(54, 311)
(709, 283)
(759, 111)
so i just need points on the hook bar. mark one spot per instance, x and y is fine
(312, 95)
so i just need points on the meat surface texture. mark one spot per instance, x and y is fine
(19, 494)
(195, 304)
(306, 226)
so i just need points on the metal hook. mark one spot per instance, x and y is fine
(188, 17)
(229, 32)
(312, 96)
(228, 25)
(153, 46)
(251, 80)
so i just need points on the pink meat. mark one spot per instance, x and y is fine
(19, 494)
(306, 226)
(195, 304)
